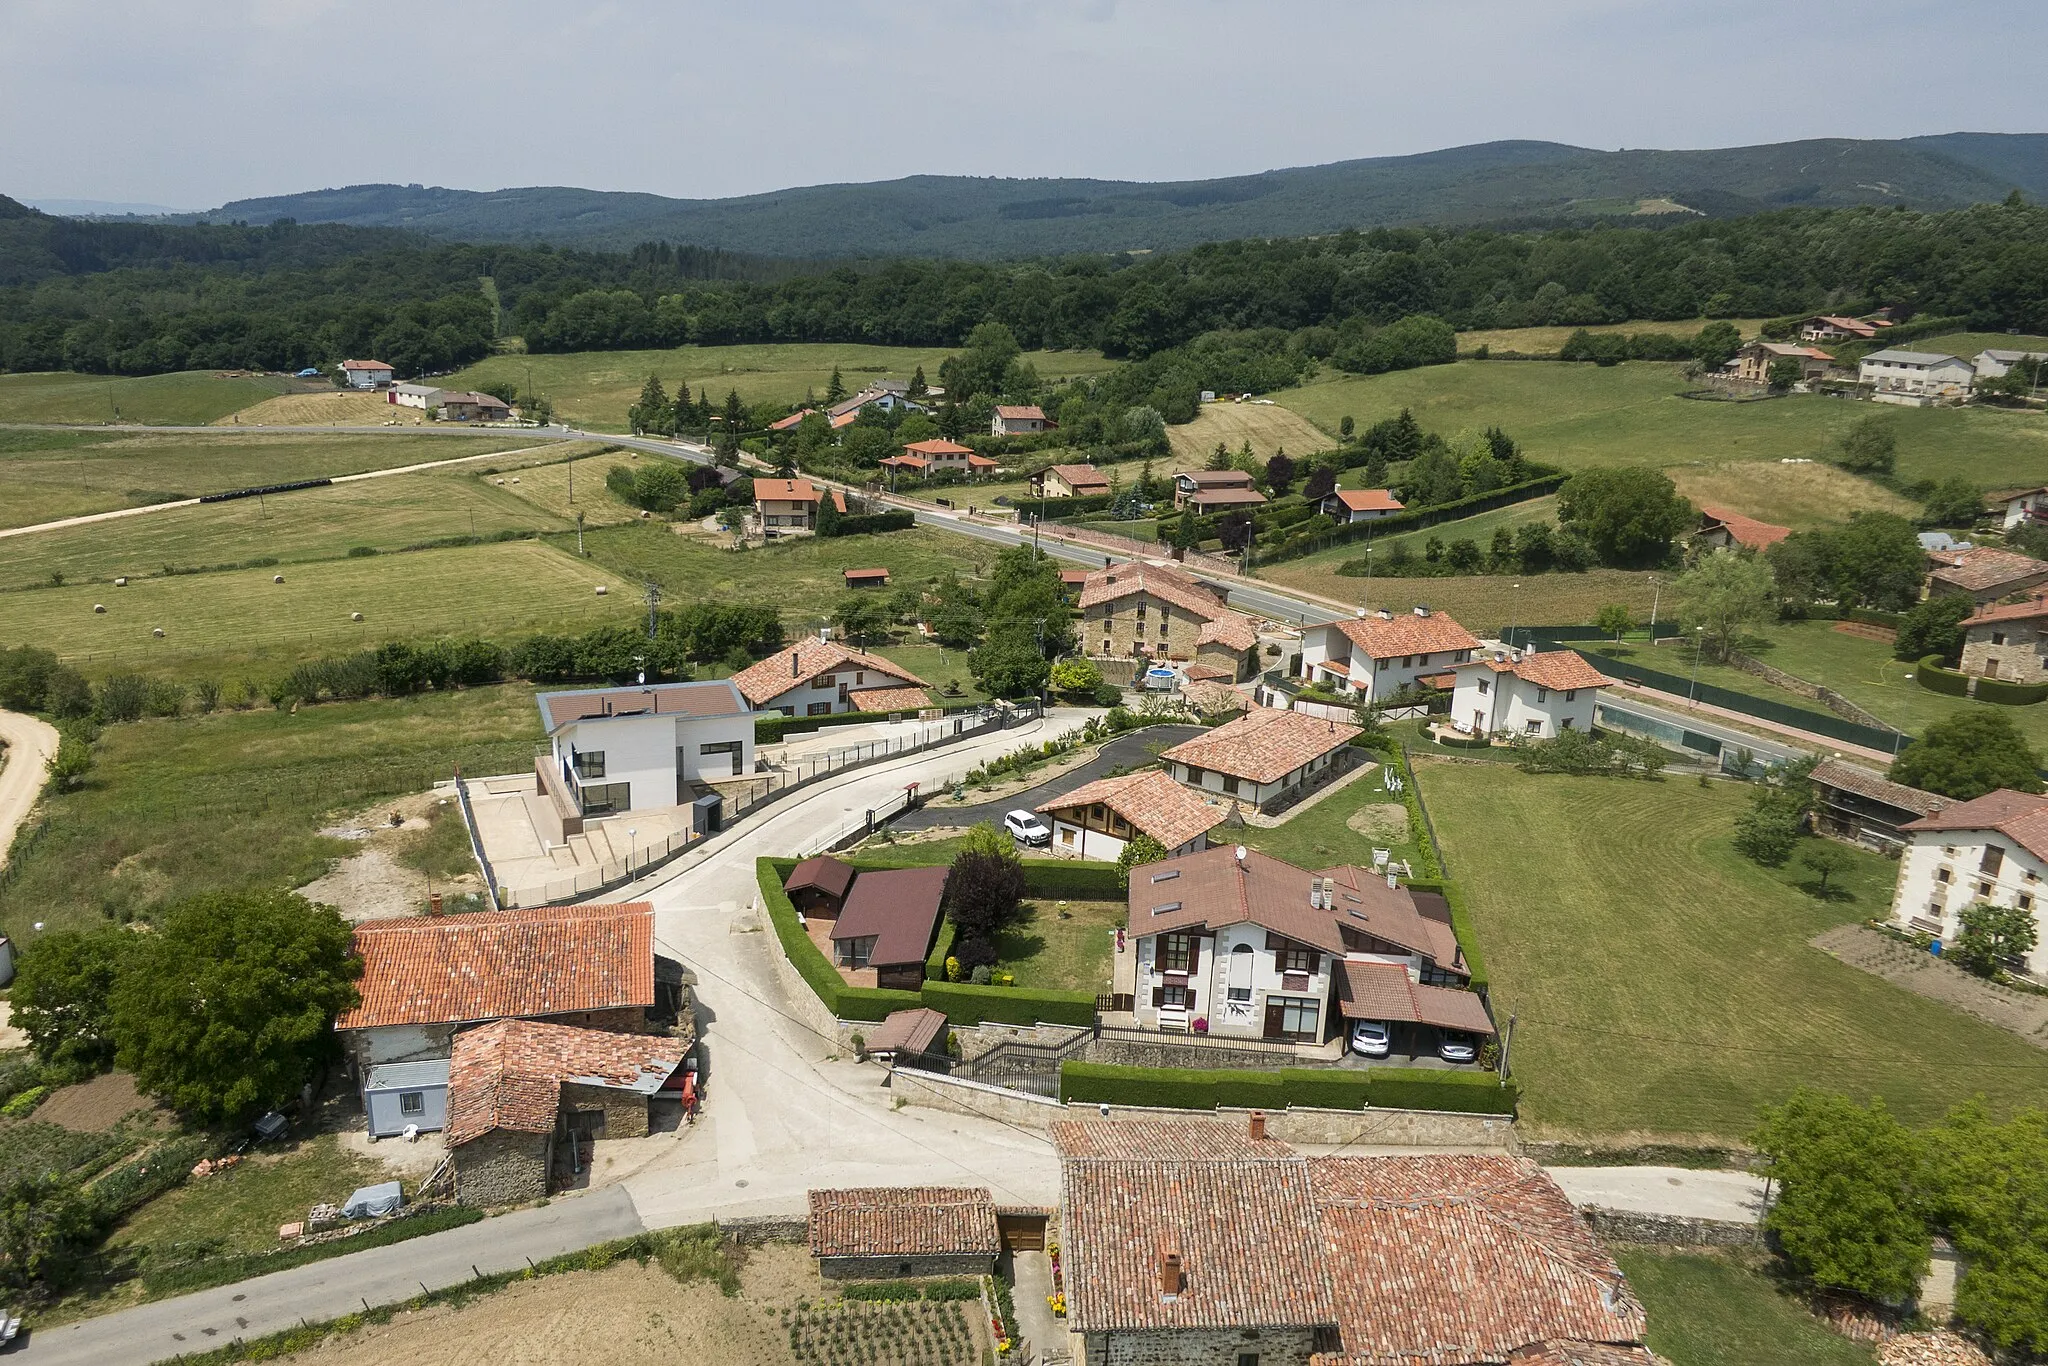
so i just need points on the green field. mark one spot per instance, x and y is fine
(177, 808)
(1545, 341)
(1479, 602)
(1577, 415)
(187, 398)
(1968, 344)
(45, 476)
(1725, 1310)
(1663, 984)
(1320, 836)
(241, 622)
(595, 388)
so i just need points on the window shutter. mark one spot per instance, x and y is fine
(1194, 955)
(1191, 999)
(1158, 997)
(1274, 943)
(1315, 964)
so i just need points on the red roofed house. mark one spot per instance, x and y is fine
(1993, 849)
(1184, 1243)
(1254, 947)
(1361, 505)
(1537, 695)
(1215, 490)
(1861, 806)
(788, 506)
(1983, 573)
(1265, 756)
(1015, 420)
(365, 374)
(893, 1231)
(929, 457)
(820, 677)
(1754, 361)
(1830, 328)
(2008, 642)
(1375, 655)
(1727, 530)
(1072, 481)
(1096, 820)
(1159, 612)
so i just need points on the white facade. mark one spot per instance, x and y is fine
(1072, 837)
(422, 396)
(1490, 702)
(365, 377)
(1996, 364)
(832, 692)
(1942, 873)
(1244, 789)
(2021, 506)
(1922, 373)
(642, 760)
(1235, 978)
(1331, 658)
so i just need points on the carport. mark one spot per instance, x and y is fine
(1378, 990)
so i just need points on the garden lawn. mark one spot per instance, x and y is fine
(1479, 602)
(1064, 946)
(188, 397)
(1664, 984)
(176, 808)
(1320, 837)
(1578, 416)
(1477, 529)
(1723, 1310)
(935, 664)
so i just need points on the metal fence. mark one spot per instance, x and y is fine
(1816, 722)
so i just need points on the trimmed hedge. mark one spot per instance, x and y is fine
(769, 730)
(1413, 1088)
(845, 1002)
(1930, 674)
(965, 1003)
(869, 524)
(2008, 693)
(1182, 1088)
(1461, 923)
(1455, 741)
(942, 949)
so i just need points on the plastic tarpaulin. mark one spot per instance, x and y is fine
(374, 1201)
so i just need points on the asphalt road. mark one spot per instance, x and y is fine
(1126, 751)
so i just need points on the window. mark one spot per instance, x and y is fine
(1383, 665)
(1998, 637)
(1421, 661)
(823, 681)
(589, 763)
(1533, 728)
(721, 747)
(1162, 628)
(1994, 859)
(412, 1103)
(1230, 786)
(1543, 694)
(1407, 661)
(1571, 694)
(1173, 998)
(1239, 982)
(818, 709)
(1564, 723)
(2025, 902)
(1984, 889)
(606, 799)
(854, 953)
(1247, 1359)
(1294, 958)
(1195, 775)
(1175, 952)
(1941, 875)
(1484, 687)
(1299, 1018)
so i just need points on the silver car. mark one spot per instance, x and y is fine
(1458, 1046)
(1026, 828)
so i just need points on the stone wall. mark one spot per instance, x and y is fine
(1167, 1053)
(625, 1112)
(975, 1040)
(1827, 697)
(1669, 1230)
(888, 1268)
(1200, 1347)
(753, 1230)
(502, 1168)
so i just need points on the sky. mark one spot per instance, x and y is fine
(191, 106)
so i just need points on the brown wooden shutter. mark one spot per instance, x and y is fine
(1315, 964)
(1158, 997)
(1191, 1000)
(1194, 954)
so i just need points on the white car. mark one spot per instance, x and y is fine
(1026, 828)
(1372, 1039)
(1458, 1046)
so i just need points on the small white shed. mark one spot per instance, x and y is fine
(397, 1095)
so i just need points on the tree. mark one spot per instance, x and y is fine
(1826, 860)
(1766, 833)
(1009, 664)
(1990, 1186)
(1954, 502)
(1851, 1195)
(1783, 374)
(1716, 344)
(1628, 515)
(1614, 619)
(1967, 754)
(224, 1009)
(1280, 473)
(1726, 594)
(659, 485)
(48, 1227)
(828, 515)
(1345, 426)
(1321, 482)
(1185, 535)
(1138, 850)
(918, 387)
(1219, 459)
(652, 413)
(1869, 446)
(859, 614)
(1993, 936)
(835, 388)
(61, 997)
(983, 893)
(1934, 627)
(1076, 675)
(733, 423)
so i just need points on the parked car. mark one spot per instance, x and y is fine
(1371, 1039)
(1458, 1046)
(1027, 828)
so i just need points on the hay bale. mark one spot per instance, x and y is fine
(602, 590)
(355, 616)
(99, 607)
(158, 633)
(121, 583)
(277, 578)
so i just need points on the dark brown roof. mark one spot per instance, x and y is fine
(1216, 479)
(899, 908)
(904, 1221)
(820, 873)
(1864, 782)
(1370, 990)
(1225, 497)
(2021, 815)
(908, 1031)
(718, 698)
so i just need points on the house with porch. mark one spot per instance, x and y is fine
(1540, 696)
(1266, 757)
(1215, 490)
(1376, 654)
(614, 750)
(2020, 506)
(929, 457)
(1233, 943)
(1860, 805)
(1991, 850)
(1096, 820)
(817, 677)
(1360, 505)
(1982, 573)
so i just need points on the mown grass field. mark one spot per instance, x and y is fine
(1322, 836)
(1968, 344)
(1579, 416)
(1709, 1309)
(1062, 946)
(1545, 341)
(595, 388)
(547, 487)
(1797, 496)
(1268, 426)
(1663, 984)
(1480, 602)
(240, 622)
(176, 808)
(326, 407)
(45, 476)
(189, 397)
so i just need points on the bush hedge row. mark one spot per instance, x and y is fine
(769, 730)
(869, 524)
(2009, 693)
(1181, 1088)
(965, 1003)
(1930, 674)
(845, 1002)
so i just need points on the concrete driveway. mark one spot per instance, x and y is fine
(1128, 751)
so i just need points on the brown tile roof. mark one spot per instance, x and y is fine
(2022, 816)
(364, 365)
(719, 698)
(1210, 498)
(851, 574)
(1460, 1259)
(938, 445)
(1168, 585)
(509, 1075)
(783, 424)
(1370, 500)
(785, 491)
(899, 908)
(1191, 1140)
(549, 960)
(1864, 782)
(1381, 991)
(904, 1221)
(1264, 745)
(2031, 610)
(820, 873)
(1149, 800)
(1744, 531)
(1209, 695)
(1557, 1352)
(1229, 630)
(1199, 672)
(1382, 637)
(1216, 479)
(908, 1031)
(1078, 477)
(1362, 901)
(908, 462)
(1558, 670)
(795, 665)
(889, 699)
(1020, 412)
(1984, 567)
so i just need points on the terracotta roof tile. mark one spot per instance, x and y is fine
(364, 365)
(1192, 1140)
(1079, 477)
(1264, 745)
(1982, 568)
(2031, 610)
(1557, 1352)
(1370, 500)
(1216, 498)
(1230, 630)
(1864, 782)
(1372, 990)
(785, 491)
(1558, 670)
(908, 1031)
(1020, 412)
(938, 445)
(549, 960)
(1744, 531)
(2023, 816)
(1158, 581)
(509, 1075)
(1210, 695)
(1150, 800)
(795, 665)
(889, 699)
(1383, 637)
(904, 1221)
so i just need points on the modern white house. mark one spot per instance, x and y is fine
(1263, 756)
(1096, 820)
(1537, 695)
(1900, 375)
(820, 677)
(613, 750)
(366, 374)
(1361, 505)
(425, 397)
(2024, 505)
(1375, 655)
(1993, 849)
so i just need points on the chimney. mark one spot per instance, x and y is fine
(1386, 614)
(1171, 1275)
(1258, 1126)
(795, 669)
(434, 903)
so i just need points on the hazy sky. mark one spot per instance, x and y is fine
(191, 105)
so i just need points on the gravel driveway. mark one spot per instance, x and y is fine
(1127, 751)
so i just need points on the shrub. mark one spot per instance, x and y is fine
(977, 1004)
(2008, 693)
(1207, 1088)
(1466, 1092)
(1930, 674)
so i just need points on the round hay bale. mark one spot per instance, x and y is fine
(158, 633)
(644, 515)
(99, 607)
(121, 583)
(355, 616)
(277, 578)
(602, 590)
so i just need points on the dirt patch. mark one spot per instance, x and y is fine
(625, 1314)
(1267, 426)
(93, 1107)
(1921, 973)
(1381, 822)
(375, 884)
(1866, 631)
(781, 1273)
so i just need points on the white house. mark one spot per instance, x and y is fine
(1361, 505)
(1537, 695)
(1377, 654)
(1235, 943)
(2024, 505)
(1995, 364)
(1900, 374)
(365, 374)
(1097, 819)
(613, 750)
(1993, 849)
(1830, 328)
(422, 396)
(819, 677)
(1261, 756)
(1016, 419)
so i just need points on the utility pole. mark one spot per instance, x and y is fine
(1365, 597)
(579, 534)
(572, 492)
(1507, 1043)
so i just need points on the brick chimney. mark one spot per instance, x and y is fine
(1171, 1274)
(1258, 1126)
(433, 903)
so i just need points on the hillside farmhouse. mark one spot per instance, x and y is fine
(366, 374)
(1993, 849)
(1984, 574)
(1898, 374)
(1017, 420)
(1754, 361)
(1727, 530)
(2009, 642)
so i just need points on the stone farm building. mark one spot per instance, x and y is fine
(1019, 420)
(1727, 530)
(1266, 757)
(820, 677)
(1754, 361)
(2007, 642)
(1096, 820)
(1983, 573)
(1155, 612)
(889, 1231)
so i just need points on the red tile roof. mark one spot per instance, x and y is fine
(1229, 630)
(1168, 585)
(889, 699)
(1264, 745)
(1079, 477)
(783, 424)
(1384, 636)
(364, 365)
(1225, 498)
(820, 873)
(898, 908)
(938, 445)
(1744, 531)
(1141, 1140)
(2023, 816)
(904, 1221)
(796, 665)
(1020, 412)
(549, 960)
(1370, 500)
(852, 574)
(1558, 670)
(509, 1075)
(1984, 567)
(1371, 990)
(785, 491)
(1151, 801)
(1558, 1352)
(2031, 610)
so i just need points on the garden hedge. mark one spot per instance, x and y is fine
(769, 730)
(1404, 1088)
(2009, 693)
(965, 1004)
(1930, 674)
(942, 949)
(845, 1002)
(1180, 1088)
(1461, 923)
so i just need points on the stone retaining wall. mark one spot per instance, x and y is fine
(1827, 697)
(1669, 1230)
(753, 1230)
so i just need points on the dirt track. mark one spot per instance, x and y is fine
(29, 745)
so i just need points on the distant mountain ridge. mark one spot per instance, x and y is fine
(993, 218)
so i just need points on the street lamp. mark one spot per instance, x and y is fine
(1699, 642)
(1365, 597)
(632, 843)
(1656, 591)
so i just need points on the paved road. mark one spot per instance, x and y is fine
(1126, 751)
(1737, 1197)
(30, 743)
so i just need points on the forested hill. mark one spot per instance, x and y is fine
(991, 218)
